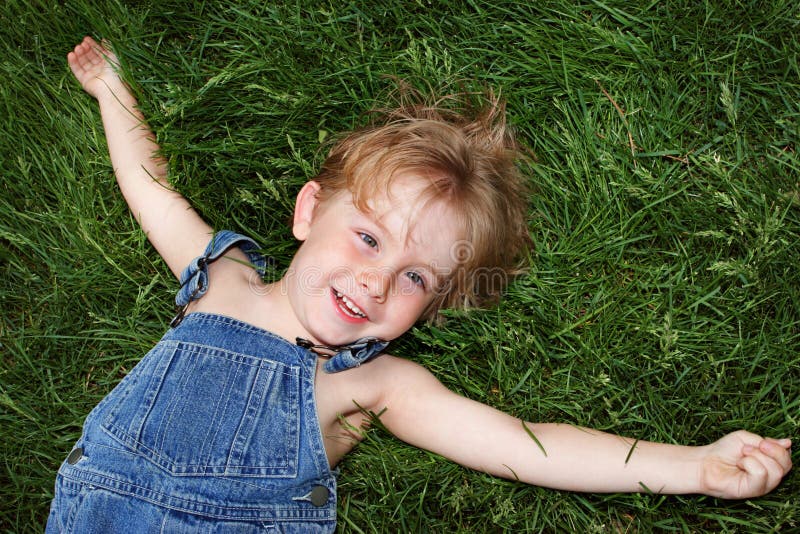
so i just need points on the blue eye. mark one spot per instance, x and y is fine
(368, 239)
(416, 278)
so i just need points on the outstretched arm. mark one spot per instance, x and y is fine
(421, 411)
(172, 226)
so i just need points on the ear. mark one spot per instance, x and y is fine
(304, 208)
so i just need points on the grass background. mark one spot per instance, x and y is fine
(662, 300)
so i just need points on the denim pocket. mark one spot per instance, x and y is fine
(198, 410)
(67, 499)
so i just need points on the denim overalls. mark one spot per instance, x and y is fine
(215, 430)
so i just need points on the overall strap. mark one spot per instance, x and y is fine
(194, 278)
(346, 356)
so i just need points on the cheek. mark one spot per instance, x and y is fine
(405, 287)
(329, 250)
(413, 304)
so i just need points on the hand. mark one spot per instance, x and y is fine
(94, 66)
(743, 465)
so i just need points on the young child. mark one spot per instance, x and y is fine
(237, 418)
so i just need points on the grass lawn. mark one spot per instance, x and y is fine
(663, 296)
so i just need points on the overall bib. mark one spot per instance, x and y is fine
(214, 430)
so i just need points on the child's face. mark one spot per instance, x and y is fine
(363, 274)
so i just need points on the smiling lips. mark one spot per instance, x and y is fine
(348, 308)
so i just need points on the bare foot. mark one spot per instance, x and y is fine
(94, 66)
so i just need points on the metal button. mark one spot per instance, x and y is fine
(319, 495)
(74, 456)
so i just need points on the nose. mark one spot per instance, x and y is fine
(376, 281)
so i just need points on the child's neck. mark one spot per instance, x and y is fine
(272, 311)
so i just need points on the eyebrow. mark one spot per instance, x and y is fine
(370, 215)
(408, 238)
(372, 218)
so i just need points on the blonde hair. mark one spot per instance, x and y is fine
(462, 144)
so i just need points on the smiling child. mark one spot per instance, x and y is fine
(236, 419)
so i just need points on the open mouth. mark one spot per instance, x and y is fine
(348, 307)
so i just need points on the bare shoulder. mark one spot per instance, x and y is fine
(375, 381)
(377, 386)
(233, 269)
(348, 400)
(234, 288)
(402, 372)
(403, 383)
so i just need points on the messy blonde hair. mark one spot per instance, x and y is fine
(463, 146)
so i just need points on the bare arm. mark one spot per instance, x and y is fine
(424, 413)
(172, 226)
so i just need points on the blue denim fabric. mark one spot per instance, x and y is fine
(346, 357)
(355, 354)
(215, 430)
(194, 278)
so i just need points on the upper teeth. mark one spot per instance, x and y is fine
(351, 305)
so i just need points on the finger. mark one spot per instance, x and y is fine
(93, 51)
(76, 52)
(108, 53)
(75, 60)
(86, 45)
(762, 466)
(757, 477)
(73, 67)
(94, 60)
(748, 438)
(81, 51)
(786, 443)
(100, 48)
(780, 454)
(102, 54)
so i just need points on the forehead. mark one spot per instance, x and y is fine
(415, 218)
(408, 202)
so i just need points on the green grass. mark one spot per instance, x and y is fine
(662, 300)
